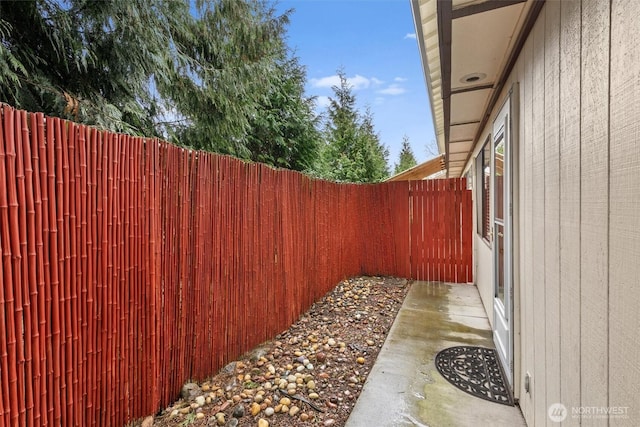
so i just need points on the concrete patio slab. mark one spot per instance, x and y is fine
(404, 387)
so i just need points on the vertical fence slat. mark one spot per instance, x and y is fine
(8, 227)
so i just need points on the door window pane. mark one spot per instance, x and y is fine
(499, 247)
(499, 187)
(483, 163)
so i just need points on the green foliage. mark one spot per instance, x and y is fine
(224, 71)
(84, 60)
(215, 77)
(284, 132)
(352, 151)
(406, 159)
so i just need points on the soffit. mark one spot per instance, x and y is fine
(462, 38)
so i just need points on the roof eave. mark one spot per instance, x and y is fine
(430, 59)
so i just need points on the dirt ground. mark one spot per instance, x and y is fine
(309, 375)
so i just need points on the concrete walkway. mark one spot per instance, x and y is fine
(404, 387)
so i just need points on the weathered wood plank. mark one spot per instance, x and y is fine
(571, 19)
(594, 205)
(624, 231)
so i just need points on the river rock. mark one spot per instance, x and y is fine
(190, 390)
(238, 412)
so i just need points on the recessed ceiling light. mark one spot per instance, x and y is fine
(473, 77)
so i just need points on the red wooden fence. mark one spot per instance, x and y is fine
(130, 265)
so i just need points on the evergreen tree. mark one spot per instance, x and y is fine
(225, 69)
(87, 61)
(284, 133)
(216, 77)
(352, 151)
(375, 154)
(406, 159)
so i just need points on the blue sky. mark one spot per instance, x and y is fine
(374, 41)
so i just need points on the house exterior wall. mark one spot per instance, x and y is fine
(577, 213)
(484, 274)
(482, 252)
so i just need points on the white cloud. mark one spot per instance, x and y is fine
(359, 82)
(326, 81)
(400, 79)
(356, 82)
(393, 89)
(410, 36)
(322, 101)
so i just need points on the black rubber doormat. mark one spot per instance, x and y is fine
(475, 370)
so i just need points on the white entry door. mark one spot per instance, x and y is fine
(502, 243)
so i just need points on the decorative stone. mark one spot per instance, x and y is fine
(255, 409)
(189, 390)
(285, 401)
(360, 360)
(293, 411)
(233, 422)
(263, 423)
(269, 412)
(238, 412)
(200, 400)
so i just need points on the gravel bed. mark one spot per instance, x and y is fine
(309, 375)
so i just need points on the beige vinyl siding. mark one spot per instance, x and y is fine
(624, 211)
(578, 211)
